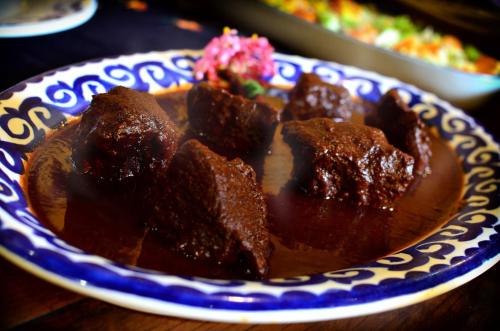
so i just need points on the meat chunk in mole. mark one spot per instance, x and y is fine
(212, 209)
(230, 124)
(347, 162)
(124, 137)
(404, 129)
(311, 98)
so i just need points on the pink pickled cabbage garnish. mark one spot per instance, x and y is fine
(251, 58)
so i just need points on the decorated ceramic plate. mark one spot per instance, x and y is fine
(27, 18)
(457, 249)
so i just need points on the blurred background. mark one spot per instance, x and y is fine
(334, 30)
(127, 26)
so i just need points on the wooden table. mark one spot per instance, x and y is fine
(27, 302)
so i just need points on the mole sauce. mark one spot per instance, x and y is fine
(309, 235)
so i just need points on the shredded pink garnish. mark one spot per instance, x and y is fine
(251, 58)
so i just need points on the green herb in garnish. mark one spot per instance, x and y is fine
(253, 88)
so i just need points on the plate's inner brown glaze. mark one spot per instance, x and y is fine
(309, 235)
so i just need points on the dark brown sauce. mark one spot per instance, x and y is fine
(309, 235)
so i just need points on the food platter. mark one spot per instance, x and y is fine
(467, 90)
(463, 248)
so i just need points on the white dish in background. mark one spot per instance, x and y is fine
(463, 89)
(28, 18)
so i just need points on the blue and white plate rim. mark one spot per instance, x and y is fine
(382, 285)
